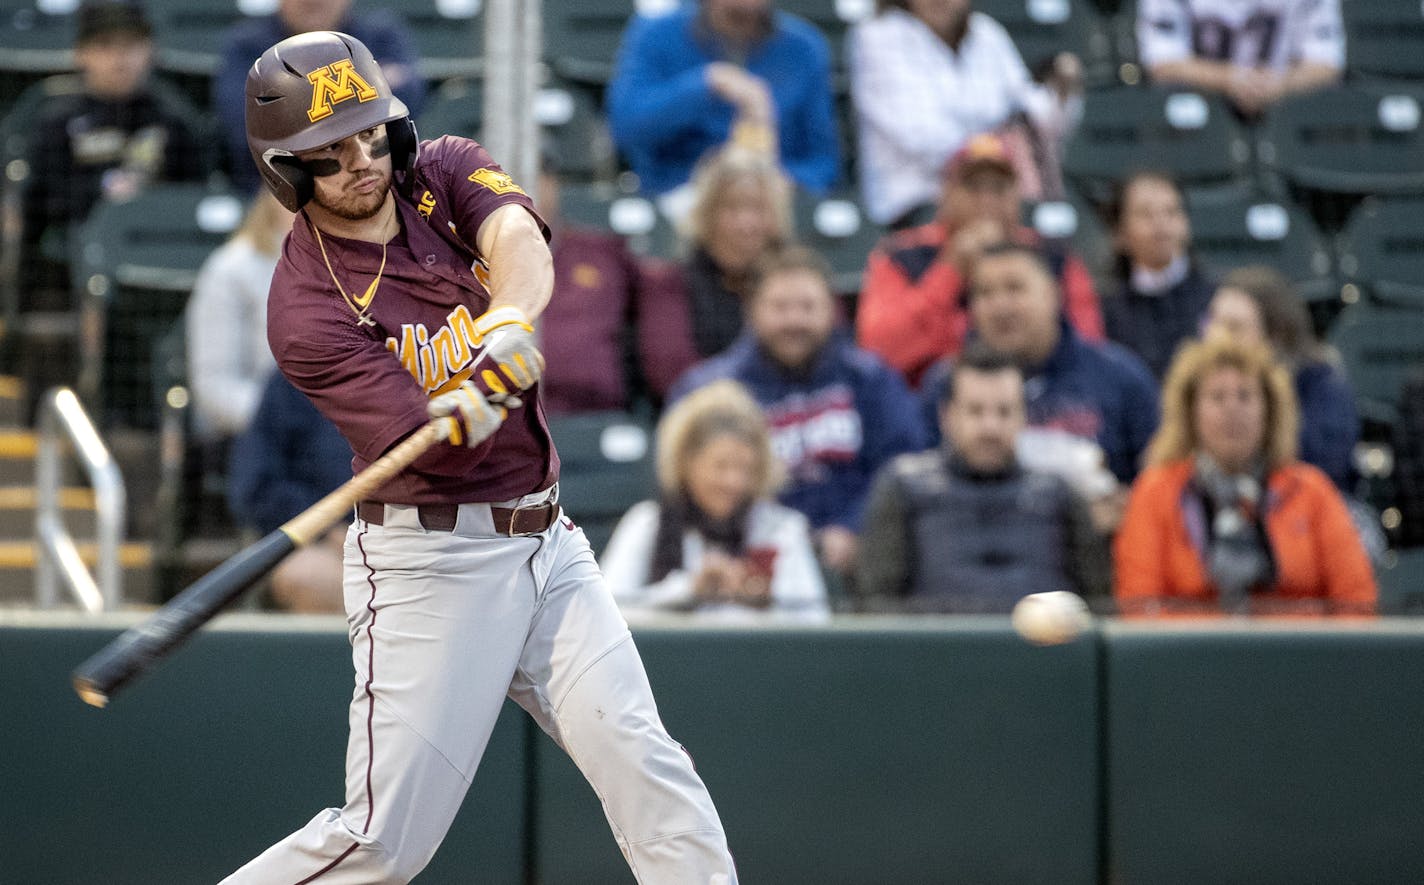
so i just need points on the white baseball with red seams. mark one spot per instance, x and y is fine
(1051, 618)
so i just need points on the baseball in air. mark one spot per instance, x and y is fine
(1051, 618)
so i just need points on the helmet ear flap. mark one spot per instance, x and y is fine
(292, 183)
(405, 144)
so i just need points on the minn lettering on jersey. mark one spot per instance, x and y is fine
(441, 361)
(333, 84)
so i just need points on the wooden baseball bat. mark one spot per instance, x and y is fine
(138, 649)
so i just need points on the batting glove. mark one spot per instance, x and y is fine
(507, 337)
(473, 418)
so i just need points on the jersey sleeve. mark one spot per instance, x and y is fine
(1164, 31)
(474, 186)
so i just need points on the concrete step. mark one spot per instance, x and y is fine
(17, 511)
(12, 401)
(17, 571)
(17, 456)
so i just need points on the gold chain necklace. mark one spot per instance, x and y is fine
(361, 305)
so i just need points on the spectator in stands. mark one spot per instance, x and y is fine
(719, 71)
(1408, 433)
(379, 28)
(928, 75)
(966, 527)
(1254, 52)
(1161, 293)
(837, 413)
(107, 141)
(226, 322)
(1224, 518)
(607, 305)
(1090, 405)
(741, 212)
(1259, 306)
(715, 542)
(912, 308)
(287, 459)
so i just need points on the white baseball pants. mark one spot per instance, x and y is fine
(443, 626)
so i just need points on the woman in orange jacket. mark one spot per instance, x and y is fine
(1224, 518)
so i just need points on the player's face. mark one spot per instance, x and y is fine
(1234, 314)
(1153, 230)
(742, 226)
(721, 476)
(793, 315)
(984, 417)
(353, 176)
(1014, 306)
(1229, 417)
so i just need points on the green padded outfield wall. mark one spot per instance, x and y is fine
(1266, 756)
(926, 753)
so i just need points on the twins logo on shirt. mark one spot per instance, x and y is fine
(810, 431)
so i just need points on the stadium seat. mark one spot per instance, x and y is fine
(1356, 140)
(1380, 346)
(1043, 28)
(634, 217)
(449, 34)
(1241, 229)
(607, 467)
(833, 18)
(135, 263)
(568, 114)
(1383, 251)
(1401, 583)
(189, 33)
(581, 38)
(839, 230)
(36, 36)
(1384, 38)
(1193, 137)
(1072, 223)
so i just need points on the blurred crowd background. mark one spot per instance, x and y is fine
(908, 305)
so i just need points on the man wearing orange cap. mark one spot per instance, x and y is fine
(912, 308)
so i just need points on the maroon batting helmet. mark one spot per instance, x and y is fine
(313, 90)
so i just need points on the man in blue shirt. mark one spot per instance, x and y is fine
(836, 412)
(718, 70)
(381, 30)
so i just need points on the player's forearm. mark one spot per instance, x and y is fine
(521, 267)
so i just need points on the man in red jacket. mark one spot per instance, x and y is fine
(913, 310)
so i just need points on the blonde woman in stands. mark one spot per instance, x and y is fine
(226, 322)
(1225, 518)
(715, 542)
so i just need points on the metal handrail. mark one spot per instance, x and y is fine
(58, 556)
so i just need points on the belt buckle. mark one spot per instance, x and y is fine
(514, 519)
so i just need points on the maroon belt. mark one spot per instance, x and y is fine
(529, 520)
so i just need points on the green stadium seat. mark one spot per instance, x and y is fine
(1380, 346)
(1043, 28)
(189, 33)
(36, 36)
(1401, 583)
(635, 218)
(449, 34)
(833, 18)
(1352, 141)
(1193, 137)
(1383, 38)
(607, 467)
(1384, 250)
(568, 114)
(839, 230)
(135, 263)
(1072, 223)
(1243, 229)
(581, 38)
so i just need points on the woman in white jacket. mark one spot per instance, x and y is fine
(715, 542)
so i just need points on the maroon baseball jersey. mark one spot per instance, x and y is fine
(372, 374)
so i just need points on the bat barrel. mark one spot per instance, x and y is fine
(138, 648)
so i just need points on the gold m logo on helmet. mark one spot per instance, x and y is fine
(334, 84)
